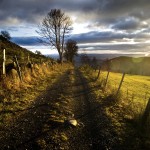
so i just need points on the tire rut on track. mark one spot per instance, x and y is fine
(29, 126)
(43, 126)
(87, 137)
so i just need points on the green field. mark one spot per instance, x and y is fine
(135, 88)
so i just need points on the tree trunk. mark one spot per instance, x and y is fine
(60, 58)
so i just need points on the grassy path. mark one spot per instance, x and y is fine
(95, 131)
(43, 126)
(32, 123)
(87, 136)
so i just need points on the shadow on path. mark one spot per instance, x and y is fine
(25, 129)
(97, 132)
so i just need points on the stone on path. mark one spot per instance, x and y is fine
(72, 122)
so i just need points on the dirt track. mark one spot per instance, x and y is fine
(43, 126)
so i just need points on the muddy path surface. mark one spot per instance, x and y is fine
(44, 125)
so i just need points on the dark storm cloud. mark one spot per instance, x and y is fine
(120, 47)
(26, 41)
(92, 37)
(129, 23)
(110, 46)
(30, 9)
(108, 36)
(126, 8)
(130, 17)
(22, 10)
(116, 14)
(126, 24)
(122, 5)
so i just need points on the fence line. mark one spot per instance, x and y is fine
(142, 96)
(28, 63)
(4, 60)
(143, 93)
(120, 83)
(18, 68)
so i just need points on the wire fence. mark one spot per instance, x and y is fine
(135, 88)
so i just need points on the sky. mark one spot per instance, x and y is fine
(99, 26)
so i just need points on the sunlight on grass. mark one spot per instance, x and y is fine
(20, 95)
(134, 87)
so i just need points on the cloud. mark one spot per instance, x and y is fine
(108, 21)
(129, 23)
(126, 24)
(97, 36)
(95, 40)
(26, 41)
(89, 37)
(30, 10)
(116, 14)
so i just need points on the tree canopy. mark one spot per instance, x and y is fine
(71, 50)
(38, 52)
(6, 35)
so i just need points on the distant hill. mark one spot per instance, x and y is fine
(131, 65)
(22, 54)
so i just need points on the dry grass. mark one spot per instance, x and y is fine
(13, 82)
(17, 95)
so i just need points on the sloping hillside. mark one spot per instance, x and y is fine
(130, 65)
(13, 49)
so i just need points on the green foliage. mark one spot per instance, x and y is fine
(38, 52)
(5, 35)
(71, 50)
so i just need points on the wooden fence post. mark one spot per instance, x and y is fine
(28, 58)
(99, 71)
(106, 79)
(145, 115)
(120, 84)
(18, 68)
(4, 60)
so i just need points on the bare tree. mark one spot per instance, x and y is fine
(55, 27)
(71, 50)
